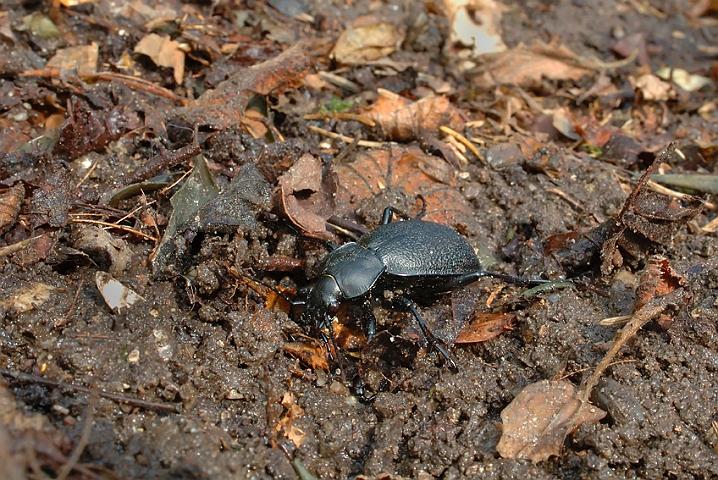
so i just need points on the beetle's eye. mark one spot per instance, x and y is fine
(333, 307)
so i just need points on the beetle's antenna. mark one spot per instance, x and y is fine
(513, 278)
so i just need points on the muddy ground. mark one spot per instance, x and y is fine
(235, 388)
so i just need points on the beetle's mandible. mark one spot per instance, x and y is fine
(421, 258)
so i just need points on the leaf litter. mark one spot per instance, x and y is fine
(528, 148)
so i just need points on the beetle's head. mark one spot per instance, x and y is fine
(323, 302)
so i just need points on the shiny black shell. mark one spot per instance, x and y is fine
(413, 253)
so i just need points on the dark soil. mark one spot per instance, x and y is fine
(229, 398)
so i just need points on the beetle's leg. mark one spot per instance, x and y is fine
(389, 211)
(468, 278)
(433, 342)
(368, 320)
(359, 390)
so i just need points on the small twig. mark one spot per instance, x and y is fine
(132, 82)
(84, 439)
(159, 162)
(87, 175)
(339, 81)
(341, 116)
(17, 246)
(118, 227)
(464, 141)
(361, 143)
(135, 402)
(564, 377)
(64, 320)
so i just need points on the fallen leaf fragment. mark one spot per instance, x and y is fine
(82, 59)
(526, 66)
(485, 326)
(27, 299)
(475, 25)
(687, 81)
(286, 424)
(388, 170)
(313, 355)
(565, 123)
(403, 120)
(653, 88)
(538, 420)
(364, 44)
(39, 24)
(10, 202)
(107, 251)
(164, 52)
(646, 218)
(224, 106)
(116, 295)
(308, 193)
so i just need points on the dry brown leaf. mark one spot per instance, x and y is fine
(402, 120)
(225, 105)
(5, 27)
(364, 44)
(653, 88)
(475, 24)
(526, 66)
(286, 424)
(538, 420)
(485, 326)
(83, 59)
(308, 194)
(376, 170)
(565, 123)
(10, 202)
(313, 355)
(164, 52)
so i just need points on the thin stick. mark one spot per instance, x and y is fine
(135, 402)
(361, 143)
(119, 227)
(464, 141)
(61, 323)
(82, 443)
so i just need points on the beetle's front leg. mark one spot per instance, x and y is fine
(406, 304)
(368, 319)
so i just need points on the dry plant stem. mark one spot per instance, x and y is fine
(464, 141)
(341, 116)
(62, 322)
(160, 162)
(119, 227)
(639, 319)
(132, 82)
(135, 402)
(361, 143)
(16, 247)
(84, 439)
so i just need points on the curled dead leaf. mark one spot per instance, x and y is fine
(364, 44)
(164, 52)
(374, 171)
(486, 325)
(538, 420)
(308, 194)
(402, 120)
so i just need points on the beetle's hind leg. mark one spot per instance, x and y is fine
(434, 343)
(390, 211)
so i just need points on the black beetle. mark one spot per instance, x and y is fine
(421, 258)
